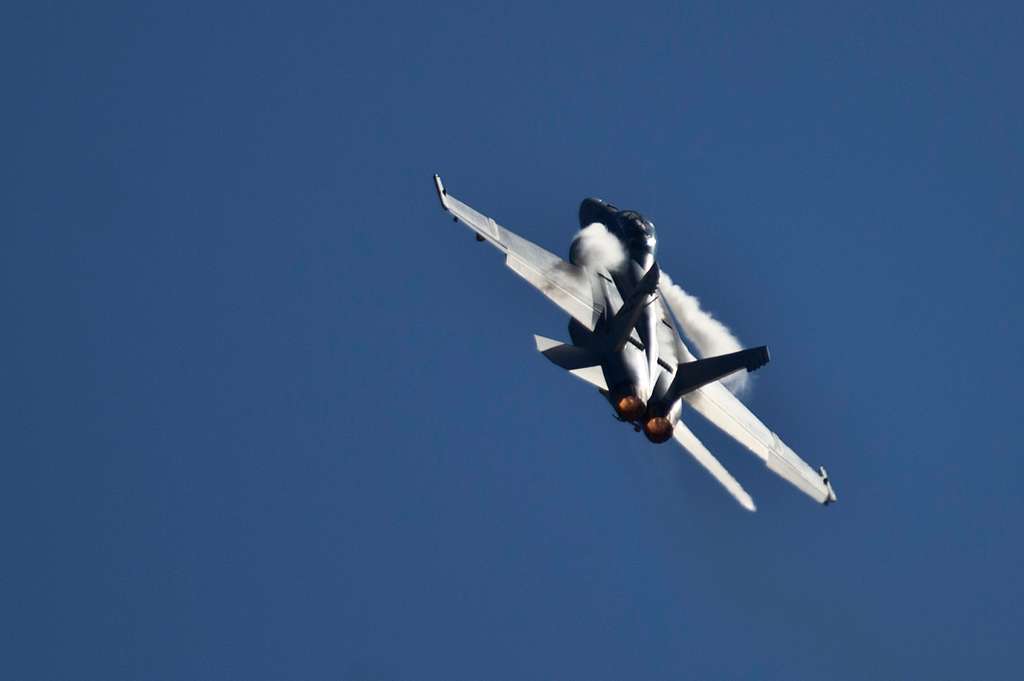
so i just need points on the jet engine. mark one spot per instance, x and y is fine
(658, 429)
(629, 407)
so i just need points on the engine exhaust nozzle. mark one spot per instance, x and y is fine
(658, 429)
(629, 407)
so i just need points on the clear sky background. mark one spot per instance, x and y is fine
(270, 414)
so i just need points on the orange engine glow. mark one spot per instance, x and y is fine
(629, 407)
(658, 429)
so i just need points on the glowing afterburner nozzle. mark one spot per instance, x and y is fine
(629, 407)
(658, 429)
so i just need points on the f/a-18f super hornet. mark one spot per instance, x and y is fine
(626, 343)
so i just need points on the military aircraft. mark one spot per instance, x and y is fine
(626, 344)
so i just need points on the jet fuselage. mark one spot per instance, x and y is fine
(634, 377)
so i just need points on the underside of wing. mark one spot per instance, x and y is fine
(715, 403)
(718, 405)
(568, 286)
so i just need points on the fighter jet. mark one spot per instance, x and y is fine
(625, 343)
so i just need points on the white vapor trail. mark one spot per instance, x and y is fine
(710, 336)
(595, 246)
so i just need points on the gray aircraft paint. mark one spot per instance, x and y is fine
(626, 344)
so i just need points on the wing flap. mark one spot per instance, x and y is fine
(721, 407)
(564, 284)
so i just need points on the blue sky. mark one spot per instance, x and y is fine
(271, 415)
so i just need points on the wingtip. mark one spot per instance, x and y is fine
(441, 193)
(831, 498)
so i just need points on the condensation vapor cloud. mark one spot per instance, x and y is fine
(594, 246)
(710, 336)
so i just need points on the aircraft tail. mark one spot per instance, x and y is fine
(693, 375)
(580, 362)
(569, 357)
(620, 327)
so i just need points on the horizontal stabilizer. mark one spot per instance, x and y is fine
(568, 357)
(581, 363)
(693, 375)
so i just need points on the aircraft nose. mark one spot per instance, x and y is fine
(595, 210)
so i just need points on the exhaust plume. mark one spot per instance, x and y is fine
(710, 336)
(594, 246)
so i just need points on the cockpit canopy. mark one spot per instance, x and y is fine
(633, 225)
(595, 210)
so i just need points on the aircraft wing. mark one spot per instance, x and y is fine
(566, 285)
(715, 403)
(718, 405)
